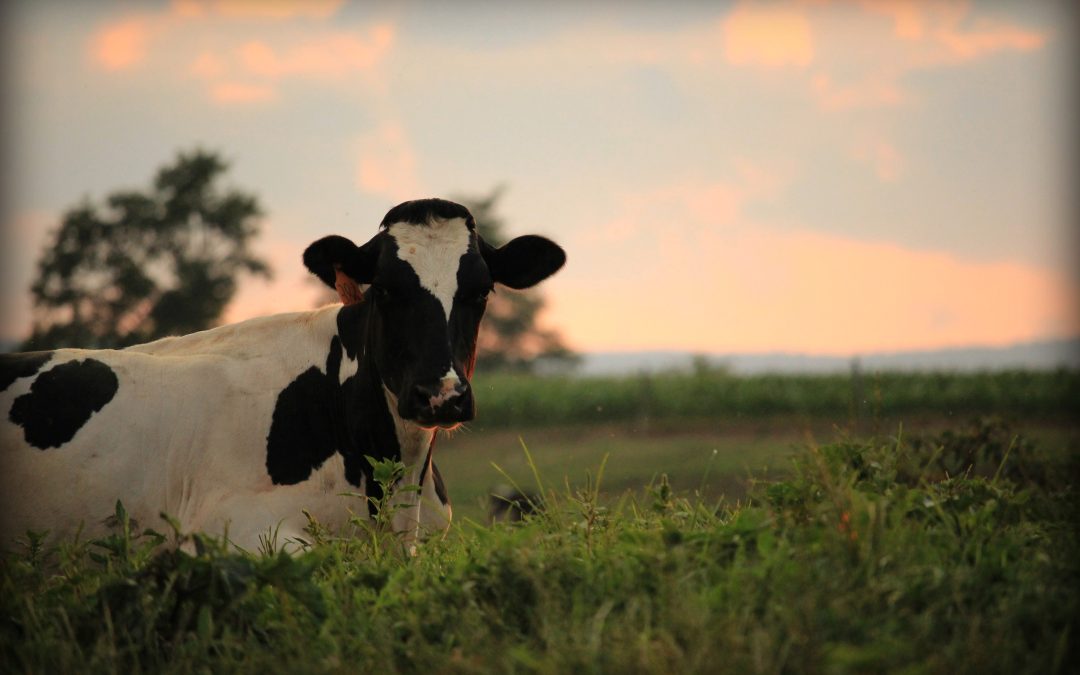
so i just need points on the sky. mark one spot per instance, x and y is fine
(819, 177)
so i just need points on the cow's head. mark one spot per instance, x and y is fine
(425, 278)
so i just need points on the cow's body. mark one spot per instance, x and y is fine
(187, 433)
(241, 428)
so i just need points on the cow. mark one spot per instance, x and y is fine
(239, 429)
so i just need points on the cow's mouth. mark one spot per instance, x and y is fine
(432, 408)
(447, 415)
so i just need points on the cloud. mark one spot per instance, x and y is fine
(712, 279)
(254, 71)
(329, 56)
(387, 163)
(769, 36)
(949, 33)
(122, 45)
(924, 35)
(239, 71)
(694, 203)
(988, 37)
(909, 18)
(257, 9)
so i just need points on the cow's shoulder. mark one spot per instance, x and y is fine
(62, 398)
(303, 429)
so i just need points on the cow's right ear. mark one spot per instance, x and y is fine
(342, 265)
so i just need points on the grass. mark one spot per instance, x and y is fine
(950, 552)
(725, 455)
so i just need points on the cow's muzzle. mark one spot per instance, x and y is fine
(443, 404)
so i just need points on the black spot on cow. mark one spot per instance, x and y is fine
(317, 415)
(436, 477)
(302, 431)
(423, 211)
(15, 366)
(440, 486)
(350, 324)
(61, 400)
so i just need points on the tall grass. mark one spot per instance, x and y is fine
(954, 553)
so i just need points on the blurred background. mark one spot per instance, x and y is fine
(781, 218)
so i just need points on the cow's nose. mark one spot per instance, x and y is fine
(433, 396)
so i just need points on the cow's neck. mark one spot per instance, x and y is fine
(414, 441)
(373, 427)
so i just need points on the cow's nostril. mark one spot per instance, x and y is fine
(432, 397)
(422, 395)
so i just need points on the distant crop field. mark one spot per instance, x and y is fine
(950, 551)
(522, 401)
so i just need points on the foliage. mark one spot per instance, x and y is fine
(146, 264)
(510, 338)
(867, 558)
(516, 401)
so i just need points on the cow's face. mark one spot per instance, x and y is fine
(426, 277)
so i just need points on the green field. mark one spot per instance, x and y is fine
(715, 460)
(866, 539)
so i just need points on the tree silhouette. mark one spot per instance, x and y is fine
(509, 336)
(146, 264)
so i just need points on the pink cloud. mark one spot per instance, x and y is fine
(709, 279)
(924, 35)
(122, 45)
(257, 9)
(949, 31)
(768, 35)
(768, 290)
(988, 37)
(329, 56)
(908, 17)
(252, 72)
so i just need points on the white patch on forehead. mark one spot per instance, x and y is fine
(434, 252)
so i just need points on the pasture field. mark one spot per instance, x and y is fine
(717, 460)
(951, 551)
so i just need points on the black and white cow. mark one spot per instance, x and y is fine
(240, 427)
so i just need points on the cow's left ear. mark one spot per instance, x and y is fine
(342, 265)
(524, 261)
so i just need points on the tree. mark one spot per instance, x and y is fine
(509, 337)
(147, 264)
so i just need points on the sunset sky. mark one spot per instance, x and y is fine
(823, 177)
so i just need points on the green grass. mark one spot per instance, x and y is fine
(713, 459)
(953, 552)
